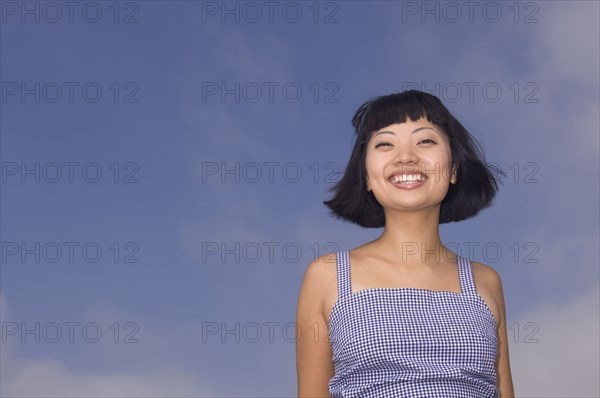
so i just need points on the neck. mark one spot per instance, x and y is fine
(413, 237)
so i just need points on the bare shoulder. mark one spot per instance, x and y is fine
(486, 277)
(489, 286)
(319, 285)
(321, 272)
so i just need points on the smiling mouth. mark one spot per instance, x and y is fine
(407, 178)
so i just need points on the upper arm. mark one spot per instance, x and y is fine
(503, 363)
(490, 288)
(313, 352)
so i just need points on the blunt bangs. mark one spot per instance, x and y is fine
(397, 108)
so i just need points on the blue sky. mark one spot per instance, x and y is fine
(164, 166)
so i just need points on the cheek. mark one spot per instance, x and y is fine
(368, 165)
(439, 164)
(373, 167)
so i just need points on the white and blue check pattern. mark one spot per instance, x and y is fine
(408, 342)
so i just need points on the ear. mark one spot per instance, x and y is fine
(454, 172)
(368, 185)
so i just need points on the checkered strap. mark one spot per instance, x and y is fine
(467, 284)
(343, 274)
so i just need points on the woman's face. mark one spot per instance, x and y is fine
(409, 165)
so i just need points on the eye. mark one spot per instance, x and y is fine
(427, 141)
(382, 144)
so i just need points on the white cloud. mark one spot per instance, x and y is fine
(239, 226)
(569, 39)
(565, 360)
(48, 377)
(565, 260)
(248, 56)
(254, 66)
(43, 377)
(585, 127)
(565, 58)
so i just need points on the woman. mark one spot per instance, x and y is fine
(402, 315)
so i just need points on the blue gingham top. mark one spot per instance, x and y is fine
(408, 342)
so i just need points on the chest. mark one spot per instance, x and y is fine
(396, 327)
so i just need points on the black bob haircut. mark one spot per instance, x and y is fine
(477, 182)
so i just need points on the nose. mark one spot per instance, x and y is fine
(405, 154)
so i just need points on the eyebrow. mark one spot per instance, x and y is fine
(413, 132)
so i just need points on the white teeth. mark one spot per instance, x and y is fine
(408, 178)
